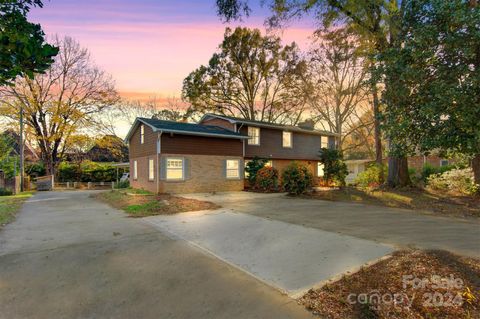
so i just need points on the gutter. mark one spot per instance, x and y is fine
(159, 150)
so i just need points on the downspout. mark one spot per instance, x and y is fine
(243, 140)
(159, 149)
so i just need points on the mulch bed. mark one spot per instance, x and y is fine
(139, 205)
(403, 286)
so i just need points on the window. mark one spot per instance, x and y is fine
(151, 170)
(287, 139)
(233, 169)
(269, 164)
(320, 171)
(135, 172)
(324, 141)
(174, 168)
(254, 135)
(142, 134)
(443, 162)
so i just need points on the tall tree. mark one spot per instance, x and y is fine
(61, 102)
(335, 86)
(23, 50)
(252, 76)
(376, 22)
(435, 104)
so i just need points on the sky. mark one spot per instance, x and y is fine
(150, 46)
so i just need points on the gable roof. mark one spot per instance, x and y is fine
(292, 128)
(184, 128)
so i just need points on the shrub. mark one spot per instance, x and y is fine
(267, 179)
(5, 192)
(123, 184)
(428, 169)
(455, 180)
(35, 169)
(371, 177)
(335, 170)
(86, 171)
(296, 179)
(253, 167)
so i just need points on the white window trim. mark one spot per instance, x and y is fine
(135, 170)
(291, 139)
(250, 140)
(238, 169)
(151, 178)
(142, 134)
(183, 169)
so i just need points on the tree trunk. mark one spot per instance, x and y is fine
(398, 172)
(476, 168)
(376, 123)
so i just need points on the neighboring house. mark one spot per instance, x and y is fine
(109, 148)
(355, 167)
(29, 152)
(210, 156)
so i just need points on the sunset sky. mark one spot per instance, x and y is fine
(149, 46)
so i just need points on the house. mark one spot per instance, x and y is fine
(175, 157)
(355, 167)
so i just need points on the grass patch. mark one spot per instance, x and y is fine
(415, 199)
(10, 205)
(386, 279)
(139, 203)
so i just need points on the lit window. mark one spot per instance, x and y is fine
(151, 170)
(254, 135)
(324, 141)
(174, 168)
(135, 173)
(287, 139)
(269, 164)
(233, 169)
(320, 171)
(142, 134)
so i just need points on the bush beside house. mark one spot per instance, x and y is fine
(297, 179)
(267, 179)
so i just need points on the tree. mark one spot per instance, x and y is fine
(335, 87)
(108, 148)
(252, 76)
(435, 104)
(61, 102)
(170, 109)
(23, 50)
(375, 22)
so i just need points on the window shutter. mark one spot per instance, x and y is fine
(224, 168)
(331, 142)
(186, 168)
(241, 169)
(163, 168)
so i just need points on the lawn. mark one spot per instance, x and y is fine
(10, 205)
(415, 199)
(141, 203)
(403, 286)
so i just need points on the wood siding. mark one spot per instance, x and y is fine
(219, 122)
(149, 147)
(305, 146)
(200, 145)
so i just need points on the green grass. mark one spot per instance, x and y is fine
(143, 209)
(10, 205)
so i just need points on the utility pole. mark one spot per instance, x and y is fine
(22, 144)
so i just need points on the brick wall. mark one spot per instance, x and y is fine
(206, 174)
(142, 181)
(281, 165)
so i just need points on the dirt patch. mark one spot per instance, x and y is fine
(137, 204)
(415, 199)
(410, 284)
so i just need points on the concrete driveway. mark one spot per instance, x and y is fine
(289, 257)
(398, 227)
(70, 256)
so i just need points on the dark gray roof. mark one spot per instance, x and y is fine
(189, 128)
(270, 125)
